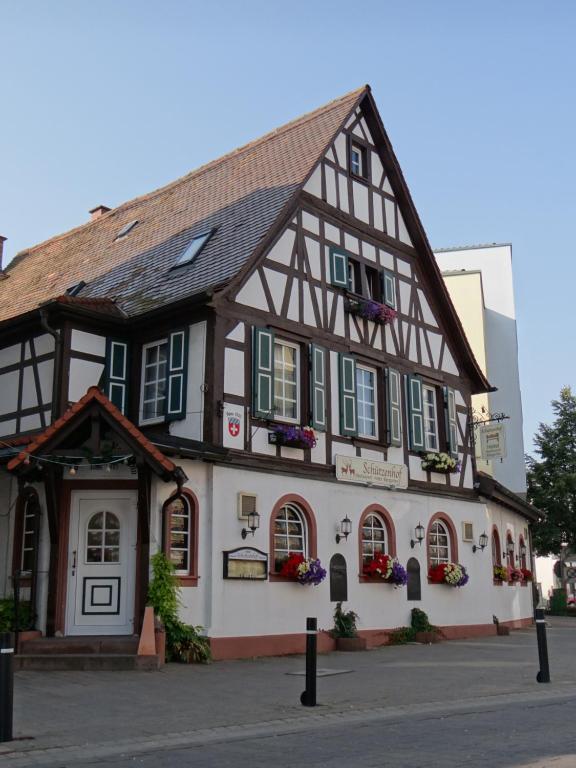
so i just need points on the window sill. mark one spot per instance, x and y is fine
(362, 179)
(278, 577)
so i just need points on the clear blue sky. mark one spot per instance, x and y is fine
(105, 100)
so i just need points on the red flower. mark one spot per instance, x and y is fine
(290, 566)
(379, 567)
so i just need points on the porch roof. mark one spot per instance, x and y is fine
(159, 463)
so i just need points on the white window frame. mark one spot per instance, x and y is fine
(359, 386)
(356, 149)
(282, 514)
(155, 419)
(278, 416)
(430, 418)
(187, 531)
(436, 545)
(366, 556)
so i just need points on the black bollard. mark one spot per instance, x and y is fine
(543, 675)
(308, 697)
(6, 685)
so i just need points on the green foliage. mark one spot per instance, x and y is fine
(552, 478)
(8, 618)
(344, 623)
(401, 636)
(419, 622)
(184, 643)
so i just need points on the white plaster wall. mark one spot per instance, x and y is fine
(234, 372)
(83, 374)
(192, 426)
(263, 608)
(90, 343)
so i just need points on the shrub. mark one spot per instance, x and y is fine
(8, 618)
(401, 636)
(419, 622)
(184, 642)
(344, 623)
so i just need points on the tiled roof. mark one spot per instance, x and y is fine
(242, 194)
(94, 394)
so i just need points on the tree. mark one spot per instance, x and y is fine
(552, 479)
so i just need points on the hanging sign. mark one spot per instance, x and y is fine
(246, 563)
(353, 469)
(492, 441)
(233, 426)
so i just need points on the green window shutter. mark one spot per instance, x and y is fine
(177, 375)
(347, 395)
(339, 267)
(116, 373)
(262, 373)
(415, 413)
(393, 407)
(318, 358)
(389, 289)
(451, 421)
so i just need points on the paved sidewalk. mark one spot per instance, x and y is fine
(68, 715)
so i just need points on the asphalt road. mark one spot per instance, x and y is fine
(515, 734)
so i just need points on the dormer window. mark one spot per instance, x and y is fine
(126, 229)
(358, 160)
(193, 248)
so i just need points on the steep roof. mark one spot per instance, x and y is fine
(241, 194)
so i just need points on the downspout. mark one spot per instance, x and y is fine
(57, 361)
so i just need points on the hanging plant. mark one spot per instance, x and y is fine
(306, 571)
(292, 437)
(453, 574)
(527, 574)
(440, 462)
(387, 569)
(371, 310)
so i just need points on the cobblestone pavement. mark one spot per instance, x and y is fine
(248, 712)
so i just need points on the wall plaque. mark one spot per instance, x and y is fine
(353, 469)
(246, 563)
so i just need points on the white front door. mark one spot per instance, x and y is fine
(101, 563)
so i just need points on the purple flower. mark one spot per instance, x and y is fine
(311, 572)
(398, 575)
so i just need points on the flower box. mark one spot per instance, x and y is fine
(500, 573)
(292, 437)
(452, 574)
(307, 571)
(387, 569)
(440, 462)
(370, 310)
(515, 576)
(527, 574)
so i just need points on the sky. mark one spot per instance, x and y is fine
(103, 101)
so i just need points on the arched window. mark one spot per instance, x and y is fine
(509, 550)
(374, 538)
(181, 536)
(103, 538)
(496, 550)
(290, 534)
(27, 534)
(441, 540)
(292, 531)
(438, 543)
(523, 552)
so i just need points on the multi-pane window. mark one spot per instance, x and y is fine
(430, 420)
(438, 544)
(103, 538)
(373, 538)
(522, 549)
(154, 369)
(366, 401)
(289, 534)
(496, 549)
(509, 551)
(358, 160)
(179, 534)
(30, 525)
(286, 406)
(354, 277)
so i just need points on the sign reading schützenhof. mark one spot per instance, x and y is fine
(353, 469)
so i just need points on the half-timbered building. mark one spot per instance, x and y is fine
(256, 361)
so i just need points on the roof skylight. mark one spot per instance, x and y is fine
(126, 229)
(74, 290)
(193, 248)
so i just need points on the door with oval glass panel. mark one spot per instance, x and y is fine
(101, 563)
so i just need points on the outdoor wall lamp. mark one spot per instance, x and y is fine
(419, 535)
(510, 547)
(345, 530)
(253, 524)
(523, 550)
(482, 542)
